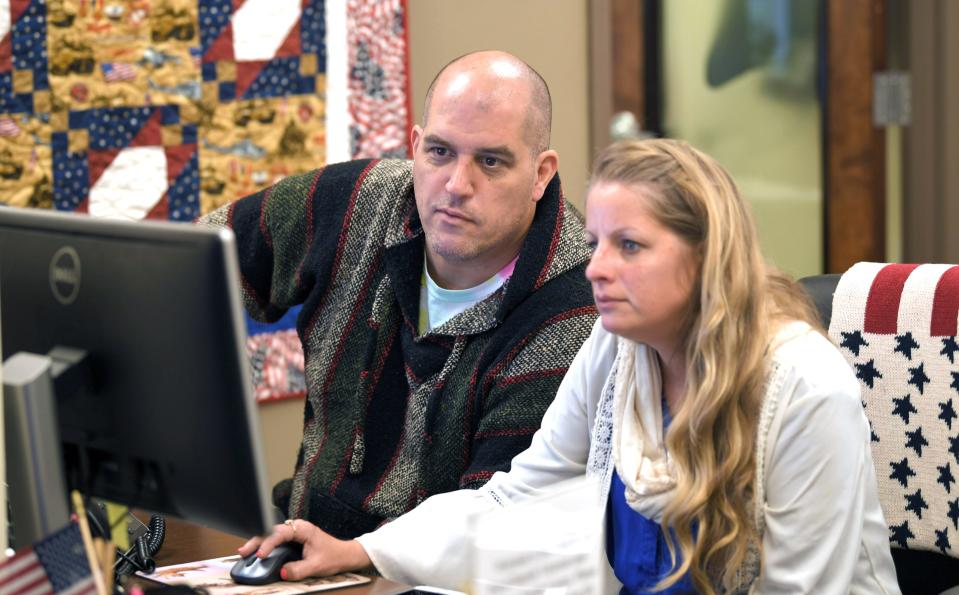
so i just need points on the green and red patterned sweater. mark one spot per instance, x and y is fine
(392, 417)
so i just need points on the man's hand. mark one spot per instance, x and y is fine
(323, 554)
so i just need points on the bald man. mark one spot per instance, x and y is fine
(443, 298)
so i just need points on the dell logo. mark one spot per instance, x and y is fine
(65, 275)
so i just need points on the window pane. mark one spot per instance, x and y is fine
(740, 83)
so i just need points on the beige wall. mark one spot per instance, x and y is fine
(551, 36)
(281, 428)
(930, 202)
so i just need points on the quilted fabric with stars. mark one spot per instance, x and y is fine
(897, 326)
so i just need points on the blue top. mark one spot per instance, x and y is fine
(636, 546)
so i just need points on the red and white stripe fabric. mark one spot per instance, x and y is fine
(368, 110)
(24, 574)
(379, 77)
(896, 325)
(55, 564)
(900, 296)
(277, 362)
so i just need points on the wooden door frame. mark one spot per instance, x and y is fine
(624, 65)
(854, 149)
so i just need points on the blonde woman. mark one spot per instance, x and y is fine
(727, 430)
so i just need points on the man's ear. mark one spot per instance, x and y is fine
(547, 163)
(416, 134)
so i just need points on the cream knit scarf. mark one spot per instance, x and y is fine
(639, 450)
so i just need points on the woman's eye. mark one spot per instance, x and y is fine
(630, 246)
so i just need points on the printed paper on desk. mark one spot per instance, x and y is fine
(213, 576)
(551, 544)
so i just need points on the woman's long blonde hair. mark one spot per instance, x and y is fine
(737, 306)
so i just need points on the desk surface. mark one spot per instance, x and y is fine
(186, 542)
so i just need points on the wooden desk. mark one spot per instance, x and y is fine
(187, 542)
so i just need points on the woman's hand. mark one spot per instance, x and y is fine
(323, 554)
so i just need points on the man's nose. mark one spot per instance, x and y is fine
(460, 182)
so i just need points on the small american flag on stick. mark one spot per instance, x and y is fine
(55, 564)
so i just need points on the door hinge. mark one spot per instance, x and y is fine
(891, 98)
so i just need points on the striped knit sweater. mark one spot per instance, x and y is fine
(392, 417)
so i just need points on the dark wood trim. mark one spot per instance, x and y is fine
(628, 62)
(855, 149)
(652, 81)
(618, 64)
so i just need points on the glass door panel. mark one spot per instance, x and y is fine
(740, 82)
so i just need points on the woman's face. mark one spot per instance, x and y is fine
(642, 273)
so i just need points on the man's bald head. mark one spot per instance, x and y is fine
(511, 78)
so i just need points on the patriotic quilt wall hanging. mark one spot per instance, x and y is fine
(896, 325)
(167, 109)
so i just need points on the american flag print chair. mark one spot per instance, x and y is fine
(896, 325)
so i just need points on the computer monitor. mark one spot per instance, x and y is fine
(157, 410)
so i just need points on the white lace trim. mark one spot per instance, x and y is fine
(600, 461)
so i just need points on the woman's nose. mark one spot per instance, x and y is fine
(597, 267)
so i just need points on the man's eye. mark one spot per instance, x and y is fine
(491, 161)
(438, 151)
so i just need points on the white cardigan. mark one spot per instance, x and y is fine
(822, 528)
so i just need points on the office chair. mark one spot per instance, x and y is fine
(896, 326)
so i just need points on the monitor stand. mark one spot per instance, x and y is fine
(36, 486)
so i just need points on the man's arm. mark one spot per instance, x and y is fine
(287, 235)
(270, 228)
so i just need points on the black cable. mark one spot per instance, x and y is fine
(140, 556)
(148, 565)
(156, 532)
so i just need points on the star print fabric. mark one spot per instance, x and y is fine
(896, 325)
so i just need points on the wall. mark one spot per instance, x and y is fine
(281, 428)
(552, 37)
(930, 204)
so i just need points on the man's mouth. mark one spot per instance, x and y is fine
(453, 214)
